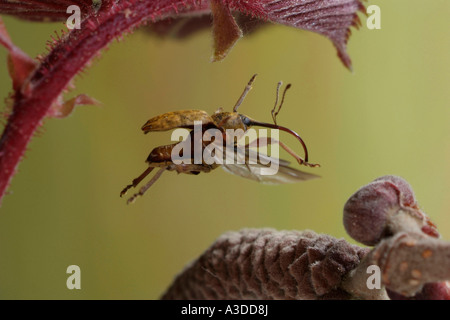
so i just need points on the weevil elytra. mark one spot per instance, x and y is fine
(222, 121)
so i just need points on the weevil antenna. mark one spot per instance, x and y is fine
(274, 114)
(276, 101)
(248, 87)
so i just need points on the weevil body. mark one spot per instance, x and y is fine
(176, 119)
(162, 157)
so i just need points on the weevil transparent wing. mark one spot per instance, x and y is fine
(249, 164)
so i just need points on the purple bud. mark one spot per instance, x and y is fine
(367, 211)
(408, 199)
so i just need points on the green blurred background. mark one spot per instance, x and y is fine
(391, 116)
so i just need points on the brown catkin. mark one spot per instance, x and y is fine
(269, 264)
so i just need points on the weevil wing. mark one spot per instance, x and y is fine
(177, 119)
(255, 166)
(282, 176)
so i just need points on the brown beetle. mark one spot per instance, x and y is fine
(161, 157)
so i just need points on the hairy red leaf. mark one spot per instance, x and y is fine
(62, 109)
(225, 30)
(331, 18)
(20, 65)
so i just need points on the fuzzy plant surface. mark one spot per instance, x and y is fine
(38, 84)
(413, 262)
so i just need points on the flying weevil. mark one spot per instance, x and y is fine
(221, 121)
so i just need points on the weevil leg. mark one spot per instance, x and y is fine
(147, 186)
(299, 159)
(136, 181)
(274, 114)
(260, 142)
(248, 87)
